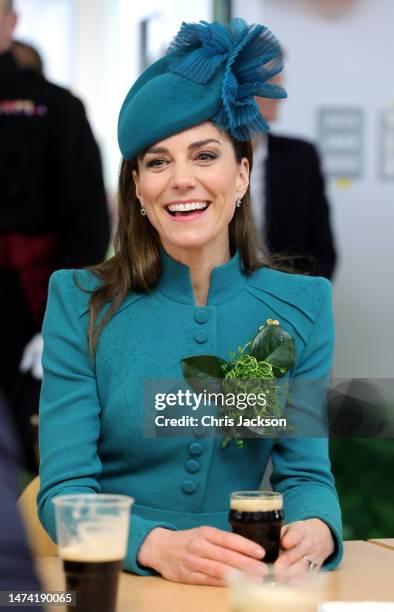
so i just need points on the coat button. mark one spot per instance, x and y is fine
(201, 316)
(201, 336)
(192, 466)
(189, 486)
(199, 431)
(195, 449)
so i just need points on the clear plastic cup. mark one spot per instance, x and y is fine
(92, 533)
(284, 591)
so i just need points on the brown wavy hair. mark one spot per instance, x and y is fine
(136, 265)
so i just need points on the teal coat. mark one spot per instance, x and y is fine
(91, 419)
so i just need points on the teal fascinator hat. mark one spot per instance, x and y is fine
(211, 72)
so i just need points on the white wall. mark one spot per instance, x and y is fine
(107, 52)
(48, 25)
(348, 61)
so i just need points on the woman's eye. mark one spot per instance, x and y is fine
(156, 163)
(205, 156)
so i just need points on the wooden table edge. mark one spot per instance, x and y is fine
(381, 544)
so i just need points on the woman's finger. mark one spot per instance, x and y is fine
(299, 567)
(293, 535)
(230, 558)
(232, 541)
(211, 568)
(294, 554)
(202, 579)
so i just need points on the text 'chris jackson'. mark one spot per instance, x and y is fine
(212, 421)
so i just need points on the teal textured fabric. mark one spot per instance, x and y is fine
(91, 420)
(162, 103)
(211, 73)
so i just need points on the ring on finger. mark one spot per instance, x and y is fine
(312, 565)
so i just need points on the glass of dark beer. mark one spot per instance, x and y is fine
(92, 532)
(258, 515)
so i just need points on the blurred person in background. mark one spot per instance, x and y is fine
(27, 56)
(16, 563)
(53, 214)
(290, 207)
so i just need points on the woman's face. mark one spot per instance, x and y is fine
(189, 184)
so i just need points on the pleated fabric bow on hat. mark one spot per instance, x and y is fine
(211, 72)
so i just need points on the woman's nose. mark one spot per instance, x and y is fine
(182, 177)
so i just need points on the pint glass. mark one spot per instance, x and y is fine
(258, 515)
(92, 532)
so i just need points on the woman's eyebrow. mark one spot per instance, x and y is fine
(194, 145)
(156, 150)
(202, 143)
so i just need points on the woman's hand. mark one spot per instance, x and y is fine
(199, 556)
(310, 539)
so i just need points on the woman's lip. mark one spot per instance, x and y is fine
(190, 217)
(193, 201)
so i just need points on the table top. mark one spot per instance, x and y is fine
(365, 574)
(385, 542)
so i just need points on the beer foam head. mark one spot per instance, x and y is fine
(103, 541)
(95, 553)
(256, 503)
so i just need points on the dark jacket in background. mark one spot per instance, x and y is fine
(53, 212)
(16, 564)
(297, 216)
(50, 169)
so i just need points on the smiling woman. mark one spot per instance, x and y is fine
(205, 164)
(185, 280)
(189, 185)
(194, 177)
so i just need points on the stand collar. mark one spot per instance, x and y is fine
(226, 281)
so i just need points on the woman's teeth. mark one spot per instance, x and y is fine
(187, 207)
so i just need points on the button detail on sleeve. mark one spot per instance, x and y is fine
(189, 486)
(201, 316)
(192, 466)
(195, 449)
(201, 335)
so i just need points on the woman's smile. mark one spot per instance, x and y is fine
(187, 210)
